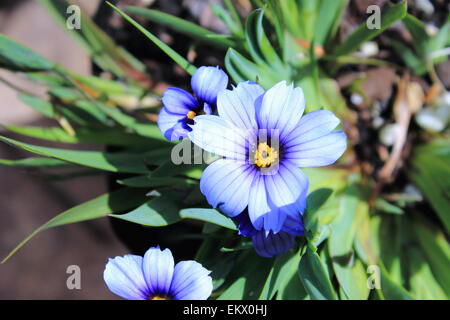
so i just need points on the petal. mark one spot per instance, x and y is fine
(220, 137)
(322, 151)
(191, 281)
(313, 125)
(245, 227)
(123, 276)
(281, 108)
(172, 125)
(272, 244)
(262, 212)
(207, 82)
(158, 270)
(294, 225)
(288, 188)
(226, 184)
(238, 105)
(179, 101)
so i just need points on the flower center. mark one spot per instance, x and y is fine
(159, 298)
(191, 115)
(265, 155)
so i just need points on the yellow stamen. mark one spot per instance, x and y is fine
(160, 298)
(191, 115)
(265, 155)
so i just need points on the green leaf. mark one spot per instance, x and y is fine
(149, 181)
(423, 285)
(182, 62)
(160, 211)
(232, 22)
(283, 269)
(99, 45)
(410, 58)
(107, 136)
(328, 20)
(353, 280)
(241, 69)
(392, 290)
(114, 162)
(247, 284)
(259, 45)
(431, 173)
(208, 215)
(437, 251)
(314, 202)
(387, 207)
(40, 105)
(392, 14)
(34, 162)
(344, 225)
(442, 39)
(349, 271)
(314, 277)
(183, 26)
(418, 33)
(99, 207)
(16, 57)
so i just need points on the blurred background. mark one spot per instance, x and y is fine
(26, 201)
(38, 270)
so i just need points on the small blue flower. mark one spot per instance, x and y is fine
(154, 277)
(268, 244)
(180, 107)
(264, 139)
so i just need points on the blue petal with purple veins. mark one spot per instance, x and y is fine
(207, 82)
(158, 268)
(191, 281)
(172, 125)
(123, 276)
(245, 226)
(269, 245)
(179, 101)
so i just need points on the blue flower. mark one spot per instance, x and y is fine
(269, 244)
(263, 140)
(180, 107)
(154, 277)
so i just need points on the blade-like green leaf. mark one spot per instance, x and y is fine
(40, 105)
(328, 19)
(423, 285)
(392, 290)
(283, 269)
(115, 162)
(99, 135)
(314, 277)
(16, 57)
(437, 251)
(259, 46)
(149, 181)
(34, 162)
(160, 211)
(182, 62)
(208, 215)
(183, 26)
(431, 173)
(99, 207)
(248, 285)
(392, 14)
(99, 45)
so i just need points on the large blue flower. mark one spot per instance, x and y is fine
(180, 107)
(154, 277)
(263, 140)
